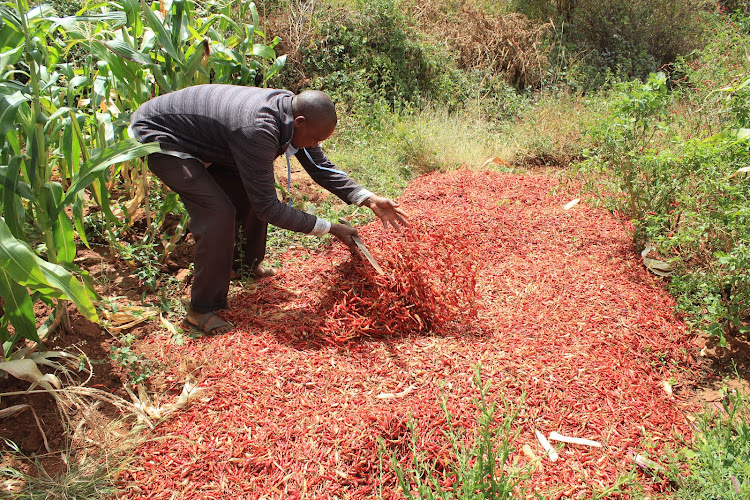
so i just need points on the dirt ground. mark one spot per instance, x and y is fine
(723, 368)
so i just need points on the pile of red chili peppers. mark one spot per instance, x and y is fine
(328, 357)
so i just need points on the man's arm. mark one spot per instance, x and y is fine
(325, 173)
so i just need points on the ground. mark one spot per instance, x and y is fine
(179, 355)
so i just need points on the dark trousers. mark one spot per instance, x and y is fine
(217, 202)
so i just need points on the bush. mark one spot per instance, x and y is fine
(363, 55)
(688, 198)
(630, 38)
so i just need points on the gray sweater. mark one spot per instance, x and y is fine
(246, 128)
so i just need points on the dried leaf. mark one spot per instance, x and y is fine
(551, 453)
(391, 395)
(574, 440)
(649, 465)
(571, 204)
(26, 369)
(497, 160)
(656, 266)
(667, 387)
(740, 171)
(124, 317)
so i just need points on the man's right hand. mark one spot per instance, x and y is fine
(344, 233)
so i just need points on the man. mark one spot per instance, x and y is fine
(218, 146)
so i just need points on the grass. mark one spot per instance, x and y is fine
(24, 478)
(719, 458)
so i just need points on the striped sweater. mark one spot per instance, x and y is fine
(246, 128)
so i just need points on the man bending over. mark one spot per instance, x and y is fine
(218, 146)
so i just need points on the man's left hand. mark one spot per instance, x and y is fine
(388, 211)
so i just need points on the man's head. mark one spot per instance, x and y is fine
(314, 118)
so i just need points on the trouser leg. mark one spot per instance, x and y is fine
(253, 231)
(212, 219)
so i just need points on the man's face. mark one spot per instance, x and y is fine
(308, 134)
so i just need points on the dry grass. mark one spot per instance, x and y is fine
(510, 44)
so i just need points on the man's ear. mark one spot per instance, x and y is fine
(299, 121)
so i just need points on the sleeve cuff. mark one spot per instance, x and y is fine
(322, 226)
(360, 196)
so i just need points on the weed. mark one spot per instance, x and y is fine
(719, 457)
(478, 470)
(137, 367)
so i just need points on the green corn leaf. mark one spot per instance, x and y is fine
(79, 80)
(20, 188)
(101, 195)
(18, 307)
(62, 228)
(79, 23)
(100, 90)
(161, 81)
(207, 24)
(277, 65)
(8, 107)
(194, 61)
(9, 181)
(12, 17)
(72, 289)
(66, 142)
(161, 33)
(11, 57)
(78, 218)
(128, 52)
(21, 263)
(264, 51)
(85, 276)
(125, 150)
(235, 27)
(254, 12)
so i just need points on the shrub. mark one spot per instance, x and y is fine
(361, 55)
(630, 38)
(689, 198)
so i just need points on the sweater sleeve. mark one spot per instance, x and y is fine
(325, 173)
(254, 150)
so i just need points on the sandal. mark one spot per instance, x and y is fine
(201, 326)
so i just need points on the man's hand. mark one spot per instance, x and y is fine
(344, 233)
(388, 211)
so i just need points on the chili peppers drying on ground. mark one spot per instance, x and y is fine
(328, 356)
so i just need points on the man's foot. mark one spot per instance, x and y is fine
(257, 272)
(208, 323)
(263, 272)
